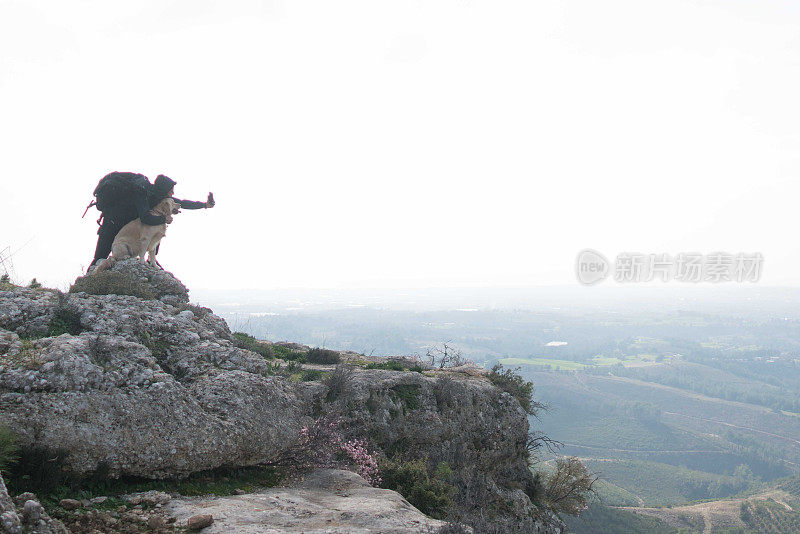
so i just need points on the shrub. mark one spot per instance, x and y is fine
(569, 485)
(408, 394)
(112, 283)
(394, 365)
(8, 447)
(5, 279)
(322, 445)
(100, 353)
(290, 370)
(220, 481)
(288, 354)
(246, 341)
(66, 319)
(448, 392)
(323, 356)
(309, 375)
(39, 470)
(445, 356)
(430, 492)
(338, 382)
(390, 366)
(512, 383)
(34, 284)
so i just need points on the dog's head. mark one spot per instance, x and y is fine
(167, 207)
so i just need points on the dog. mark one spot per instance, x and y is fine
(136, 238)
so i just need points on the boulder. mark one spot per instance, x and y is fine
(327, 501)
(163, 284)
(143, 390)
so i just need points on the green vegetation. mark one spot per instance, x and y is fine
(568, 485)
(271, 351)
(408, 395)
(601, 519)
(248, 342)
(512, 383)
(8, 447)
(223, 481)
(38, 470)
(112, 283)
(29, 356)
(5, 282)
(769, 517)
(338, 382)
(288, 354)
(729, 380)
(43, 472)
(309, 375)
(563, 365)
(322, 356)
(613, 495)
(791, 485)
(393, 365)
(34, 284)
(65, 320)
(572, 365)
(389, 365)
(429, 490)
(606, 360)
(662, 484)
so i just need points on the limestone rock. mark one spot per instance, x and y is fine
(199, 521)
(10, 523)
(143, 389)
(327, 501)
(150, 498)
(30, 517)
(162, 283)
(70, 504)
(155, 522)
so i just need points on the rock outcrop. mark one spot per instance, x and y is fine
(146, 389)
(158, 388)
(327, 501)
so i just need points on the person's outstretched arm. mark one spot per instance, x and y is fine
(194, 204)
(143, 209)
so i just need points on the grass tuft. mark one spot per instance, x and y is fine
(112, 283)
(322, 356)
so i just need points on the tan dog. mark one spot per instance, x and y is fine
(136, 238)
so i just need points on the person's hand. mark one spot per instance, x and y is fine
(210, 201)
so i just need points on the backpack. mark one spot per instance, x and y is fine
(118, 188)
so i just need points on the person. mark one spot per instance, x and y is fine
(138, 205)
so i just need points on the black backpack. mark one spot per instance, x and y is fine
(118, 188)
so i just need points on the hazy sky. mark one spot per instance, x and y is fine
(404, 143)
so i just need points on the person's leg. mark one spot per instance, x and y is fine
(106, 234)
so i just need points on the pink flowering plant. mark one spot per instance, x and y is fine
(322, 445)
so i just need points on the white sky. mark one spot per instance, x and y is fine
(404, 143)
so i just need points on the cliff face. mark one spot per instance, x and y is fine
(156, 388)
